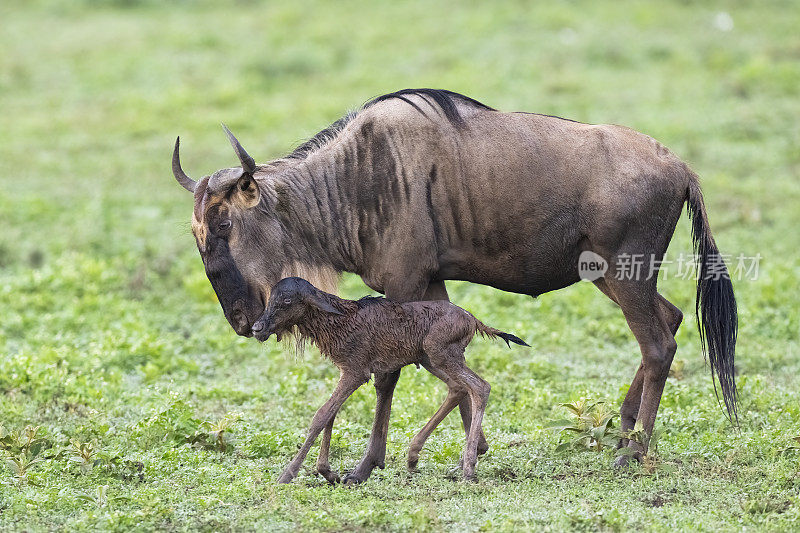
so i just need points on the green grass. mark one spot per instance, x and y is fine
(109, 331)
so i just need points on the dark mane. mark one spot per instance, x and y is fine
(322, 138)
(443, 99)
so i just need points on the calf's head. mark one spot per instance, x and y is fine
(239, 248)
(291, 302)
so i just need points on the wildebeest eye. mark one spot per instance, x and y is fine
(225, 224)
(287, 301)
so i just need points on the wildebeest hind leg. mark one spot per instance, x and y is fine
(633, 398)
(645, 313)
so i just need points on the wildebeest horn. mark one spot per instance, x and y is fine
(248, 164)
(186, 182)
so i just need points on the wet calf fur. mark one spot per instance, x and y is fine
(378, 336)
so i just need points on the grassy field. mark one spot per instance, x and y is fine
(110, 333)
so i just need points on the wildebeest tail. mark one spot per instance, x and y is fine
(717, 318)
(487, 331)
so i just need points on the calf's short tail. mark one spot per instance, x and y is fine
(487, 331)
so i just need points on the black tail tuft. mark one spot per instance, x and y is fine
(508, 337)
(717, 317)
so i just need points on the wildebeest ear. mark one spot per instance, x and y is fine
(323, 305)
(246, 193)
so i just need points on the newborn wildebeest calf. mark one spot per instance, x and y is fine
(376, 335)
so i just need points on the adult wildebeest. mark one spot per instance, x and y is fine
(422, 186)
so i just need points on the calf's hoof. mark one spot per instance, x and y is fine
(413, 460)
(362, 471)
(330, 476)
(286, 477)
(351, 481)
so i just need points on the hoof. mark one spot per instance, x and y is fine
(351, 481)
(362, 471)
(330, 476)
(623, 461)
(287, 476)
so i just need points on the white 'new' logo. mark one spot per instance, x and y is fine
(591, 266)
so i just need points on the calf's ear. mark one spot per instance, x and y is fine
(323, 305)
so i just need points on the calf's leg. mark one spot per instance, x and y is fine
(323, 465)
(479, 394)
(465, 407)
(445, 360)
(454, 395)
(322, 418)
(376, 447)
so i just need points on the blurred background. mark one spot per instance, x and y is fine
(107, 319)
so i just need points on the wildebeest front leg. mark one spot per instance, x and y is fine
(324, 416)
(376, 447)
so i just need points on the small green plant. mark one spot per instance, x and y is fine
(100, 497)
(214, 435)
(639, 435)
(23, 449)
(177, 423)
(85, 455)
(172, 423)
(89, 455)
(590, 426)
